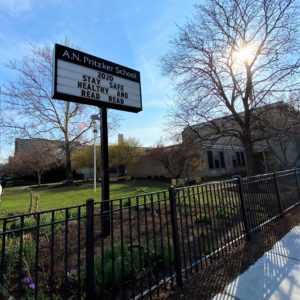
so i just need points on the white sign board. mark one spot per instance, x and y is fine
(83, 78)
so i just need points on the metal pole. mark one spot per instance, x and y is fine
(105, 174)
(278, 195)
(175, 236)
(297, 181)
(95, 160)
(243, 209)
(90, 275)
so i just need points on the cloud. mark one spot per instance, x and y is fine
(17, 49)
(15, 7)
(157, 103)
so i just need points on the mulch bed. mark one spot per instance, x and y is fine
(212, 279)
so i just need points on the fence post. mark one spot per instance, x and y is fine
(278, 195)
(3, 257)
(105, 218)
(90, 283)
(243, 208)
(297, 180)
(175, 236)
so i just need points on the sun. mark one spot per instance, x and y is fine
(244, 54)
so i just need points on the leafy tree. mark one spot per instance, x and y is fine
(125, 153)
(231, 58)
(84, 157)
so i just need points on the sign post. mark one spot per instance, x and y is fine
(83, 78)
(105, 173)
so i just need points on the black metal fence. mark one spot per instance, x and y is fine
(155, 239)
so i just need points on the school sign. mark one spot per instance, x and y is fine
(84, 78)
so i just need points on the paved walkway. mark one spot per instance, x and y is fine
(276, 275)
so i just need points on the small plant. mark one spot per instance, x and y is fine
(14, 253)
(259, 209)
(225, 214)
(125, 263)
(208, 250)
(260, 218)
(161, 255)
(203, 218)
(29, 221)
(117, 264)
(127, 203)
(28, 283)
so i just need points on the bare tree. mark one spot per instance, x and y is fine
(178, 160)
(282, 133)
(36, 160)
(30, 111)
(229, 60)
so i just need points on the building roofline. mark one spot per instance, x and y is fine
(270, 105)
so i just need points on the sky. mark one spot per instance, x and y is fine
(133, 33)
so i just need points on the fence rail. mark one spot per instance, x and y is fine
(155, 239)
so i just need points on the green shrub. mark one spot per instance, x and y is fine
(208, 250)
(225, 214)
(127, 203)
(259, 209)
(29, 221)
(12, 258)
(159, 254)
(136, 259)
(203, 218)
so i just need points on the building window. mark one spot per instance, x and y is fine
(238, 159)
(234, 163)
(216, 159)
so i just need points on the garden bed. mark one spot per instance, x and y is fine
(212, 279)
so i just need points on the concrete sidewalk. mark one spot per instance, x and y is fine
(276, 275)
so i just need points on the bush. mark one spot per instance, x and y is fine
(160, 255)
(127, 203)
(130, 261)
(203, 218)
(225, 214)
(29, 221)
(208, 250)
(13, 251)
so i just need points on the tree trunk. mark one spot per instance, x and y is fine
(249, 156)
(68, 162)
(39, 175)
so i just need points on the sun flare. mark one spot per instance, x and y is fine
(244, 54)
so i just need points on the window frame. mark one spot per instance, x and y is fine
(216, 159)
(238, 160)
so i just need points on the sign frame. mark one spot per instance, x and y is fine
(77, 57)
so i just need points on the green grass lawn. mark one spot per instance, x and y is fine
(58, 195)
